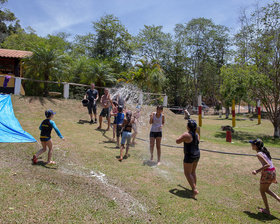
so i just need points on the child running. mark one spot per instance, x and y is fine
(268, 173)
(157, 122)
(126, 134)
(191, 154)
(114, 114)
(46, 128)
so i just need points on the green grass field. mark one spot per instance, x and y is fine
(89, 185)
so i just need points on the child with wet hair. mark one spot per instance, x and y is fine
(126, 134)
(191, 154)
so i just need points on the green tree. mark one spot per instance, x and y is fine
(100, 72)
(146, 75)
(263, 49)
(153, 43)
(45, 64)
(112, 40)
(8, 22)
(235, 84)
(206, 46)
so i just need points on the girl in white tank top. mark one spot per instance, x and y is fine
(157, 121)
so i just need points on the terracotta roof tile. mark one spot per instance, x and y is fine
(7, 53)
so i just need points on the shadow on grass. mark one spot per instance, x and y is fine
(111, 147)
(182, 193)
(260, 216)
(42, 100)
(149, 163)
(83, 122)
(246, 136)
(229, 119)
(44, 164)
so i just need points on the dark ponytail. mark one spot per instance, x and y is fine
(259, 143)
(265, 151)
(192, 127)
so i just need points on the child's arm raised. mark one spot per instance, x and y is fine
(151, 118)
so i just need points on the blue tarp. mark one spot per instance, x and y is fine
(10, 128)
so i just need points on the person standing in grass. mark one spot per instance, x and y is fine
(92, 96)
(136, 116)
(46, 128)
(191, 152)
(119, 123)
(157, 121)
(106, 102)
(126, 134)
(114, 114)
(268, 173)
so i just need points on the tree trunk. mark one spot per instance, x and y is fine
(46, 88)
(227, 112)
(276, 131)
(249, 108)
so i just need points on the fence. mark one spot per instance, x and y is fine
(68, 90)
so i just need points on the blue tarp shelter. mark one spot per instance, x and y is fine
(10, 128)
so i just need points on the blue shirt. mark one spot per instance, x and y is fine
(52, 123)
(119, 118)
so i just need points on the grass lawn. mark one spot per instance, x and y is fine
(89, 185)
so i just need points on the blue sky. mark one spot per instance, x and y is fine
(76, 16)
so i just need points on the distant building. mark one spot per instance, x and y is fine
(10, 65)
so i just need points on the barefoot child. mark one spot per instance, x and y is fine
(136, 116)
(46, 128)
(114, 114)
(157, 122)
(268, 173)
(126, 134)
(106, 102)
(192, 154)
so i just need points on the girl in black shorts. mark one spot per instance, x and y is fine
(157, 122)
(192, 154)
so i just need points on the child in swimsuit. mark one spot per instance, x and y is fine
(114, 114)
(126, 134)
(46, 128)
(136, 116)
(268, 173)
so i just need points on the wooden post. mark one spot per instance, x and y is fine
(66, 90)
(17, 86)
(259, 112)
(165, 101)
(199, 111)
(233, 113)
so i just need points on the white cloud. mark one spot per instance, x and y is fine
(63, 14)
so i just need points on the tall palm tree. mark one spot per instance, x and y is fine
(149, 75)
(100, 72)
